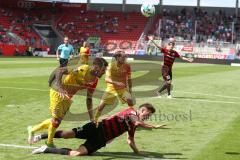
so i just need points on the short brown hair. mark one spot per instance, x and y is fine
(119, 54)
(148, 106)
(101, 62)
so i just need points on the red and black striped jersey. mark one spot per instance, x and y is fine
(119, 123)
(169, 56)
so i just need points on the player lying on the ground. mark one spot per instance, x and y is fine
(62, 90)
(169, 56)
(109, 128)
(119, 83)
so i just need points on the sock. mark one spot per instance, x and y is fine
(58, 134)
(163, 88)
(44, 136)
(63, 151)
(169, 89)
(97, 115)
(51, 133)
(44, 125)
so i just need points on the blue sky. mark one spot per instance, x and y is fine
(216, 3)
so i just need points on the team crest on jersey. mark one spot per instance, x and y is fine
(133, 112)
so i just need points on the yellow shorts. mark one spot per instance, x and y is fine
(111, 95)
(58, 105)
(84, 59)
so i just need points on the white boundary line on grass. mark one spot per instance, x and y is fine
(215, 95)
(17, 146)
(197, 100)
(200, 100)
(26, 89)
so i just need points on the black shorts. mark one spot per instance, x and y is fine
(166, 73)
(63, 62)
(95, 138)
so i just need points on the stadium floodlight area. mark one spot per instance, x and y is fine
(155, 2)
(77, 1)
(203, 3)
(217, 3)
(180, 3)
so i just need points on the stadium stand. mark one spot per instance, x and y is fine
(119, 30)
(209, 26)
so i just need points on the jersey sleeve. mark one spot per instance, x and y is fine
(177, 55)
(164, 50)
(60, 47)
(72, 49)
(87, 51)
(133, 118)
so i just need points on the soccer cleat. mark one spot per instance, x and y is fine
(50, 145)
(158, 94)
(37, 138)
(40, 150)
(169, 96)
(30, 135)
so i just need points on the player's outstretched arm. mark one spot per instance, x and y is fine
(109, 80)
(187, 59)
(151, 39)
(148, 126)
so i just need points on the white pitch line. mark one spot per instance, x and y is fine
(198, 100)
(36, 89)
(216, 95)
(203, 100)
(17, 146)
(27, 89)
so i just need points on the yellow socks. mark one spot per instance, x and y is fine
(44, 125)
(51, 133)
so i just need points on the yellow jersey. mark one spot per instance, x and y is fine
(80, 79)
(84, 51)
(118, 73)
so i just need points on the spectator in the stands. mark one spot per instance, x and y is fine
(115, 30)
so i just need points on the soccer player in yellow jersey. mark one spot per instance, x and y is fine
(62, 90)
(84, 53)
(119, 84)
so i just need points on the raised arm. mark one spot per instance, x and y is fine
(151, 39)
(186, 59)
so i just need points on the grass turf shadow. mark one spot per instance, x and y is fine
(130, 155)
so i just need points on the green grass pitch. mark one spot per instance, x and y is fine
(203, 118)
